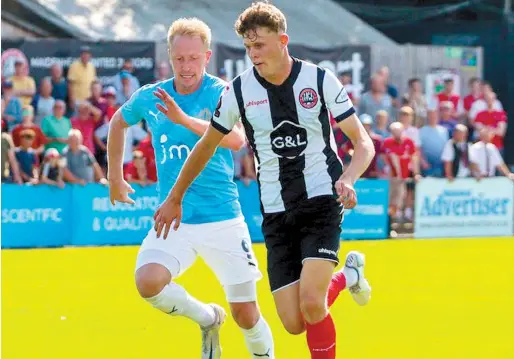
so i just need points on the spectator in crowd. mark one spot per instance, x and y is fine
(377, 99)
(27, 158)
(447, 95)
(406, 117)
(81, 166)
(56, 128)
(475, 94)
(485, 158)
(223, 74)
(433, 139)
(138, 171)
(81, 75)
(12, 105)
(391, 90)
(127, 89)
(59, 83)
(373, 169)
(24, 86)
(43, 102)
(96, 99)
(244, 166)
(446, 115)
(495, 120)
(346, 80)
(86, 122)
(126, 69)
(400, 152)
(481, 105)
(456, 154)
(109, 95)
(9, 162)
(145, 146)
(52, 169)
(163, 72)
(415, 99)
(28, 124)
(382, 124)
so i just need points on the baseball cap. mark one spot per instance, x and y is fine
(109, 91)
(85, 48)
(125, 74)
(52, 153)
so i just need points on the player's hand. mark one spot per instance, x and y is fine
(170, 109)
(119, 191)
(170, 211)
(346, 193)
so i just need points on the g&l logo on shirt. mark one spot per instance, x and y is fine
(288, 140)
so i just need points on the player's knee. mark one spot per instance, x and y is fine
(313, 306)
(246, 315)
(294, 327)
(151, 279)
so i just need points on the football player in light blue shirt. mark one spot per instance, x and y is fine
(213, 226)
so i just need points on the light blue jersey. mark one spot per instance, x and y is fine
(213, 195)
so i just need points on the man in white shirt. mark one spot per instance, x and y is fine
(485, 158)
(455, 154)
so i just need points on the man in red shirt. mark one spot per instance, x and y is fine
(475, 93)
(28, 124)
(86, 123)
(448, 95)
(138, 171)
(400, 154)
(495, 120)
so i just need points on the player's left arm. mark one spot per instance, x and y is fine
(233, 140)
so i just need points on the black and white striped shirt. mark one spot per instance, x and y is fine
(288, 128)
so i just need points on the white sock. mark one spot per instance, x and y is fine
(259, 340)
(351, 276)
(174, 300)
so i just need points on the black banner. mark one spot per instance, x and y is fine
(355, 60)
(107, 57)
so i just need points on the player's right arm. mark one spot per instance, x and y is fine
(224, 119)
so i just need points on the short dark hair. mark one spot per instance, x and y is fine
(413, 80)
(260, 14)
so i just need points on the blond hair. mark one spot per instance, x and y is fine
(190, 27)
(260, 14)
(75, 133)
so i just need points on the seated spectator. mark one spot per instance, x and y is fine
(138, 170)
(24, 86)
(43, 102)
(96, 98)
(52, 169)
(406, 117)
(377, 99)
(485, 158)
(123, 94)
(12, 105)
(163, 72)
(109, 95)
(9, 162)
(27, 158)
(433, 139)
(244, 166)
(382, 124)
(495, 120)
(86, 122)
(346, 80)
(373, 169)
(447, 120)
(399, 151)
(81, 166)
(132, 134)
(38, 144)
(456, 154)
(127, 69)
(56, 128)
(59, 83)
(415, 99)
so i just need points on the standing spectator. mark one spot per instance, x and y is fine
(485, 158)
(132, 134)
(24, 86)
(382, 124)
(52, 169)
(447, 95)
(399, 152)
(377, 99)
(81, 75)
(96, 98)
(481, 105)
(110, 103)
(43, 102)
(145, 146)
(59, 83)
(417, 101)
(446, 115)
(56, 128)
(28, 124)
(137, 170)
(373, 169)
(406, 117)
(127, 68)
(27, 157)
(433, 139)
(346, 80)
(127, 89)
(475, 93)
(81, 166)
(12, 105)
(9, 162)
(495, 120)
(244, 166)
(456, 154)
(86, 122)
(391, 90)
(163, 72)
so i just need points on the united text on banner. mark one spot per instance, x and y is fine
(36, 216)
(464, 208)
